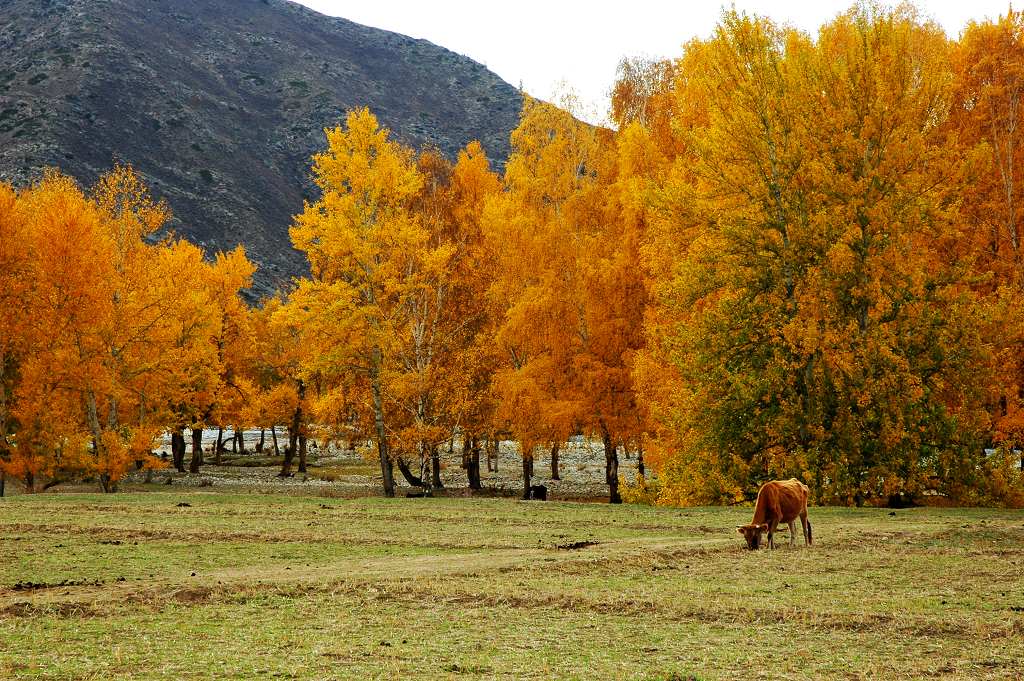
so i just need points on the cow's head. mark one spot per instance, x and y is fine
(752, 533)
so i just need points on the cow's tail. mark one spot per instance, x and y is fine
(810, 540)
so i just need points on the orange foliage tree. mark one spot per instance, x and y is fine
(569, 295)
(394, 247)
(109, 321)
(987, 118)
(368, 256)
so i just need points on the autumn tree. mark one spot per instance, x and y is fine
(395, 249)
(568, 289)
(438, 386)
(365, 248)
(987, 119)
(16, 279)
(468, 365)
(103, 309)
(278, 380)
(532, 293)
(818, 323)
(231, 337)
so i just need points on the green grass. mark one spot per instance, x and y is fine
(273, 586)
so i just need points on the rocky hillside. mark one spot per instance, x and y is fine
(220, 103)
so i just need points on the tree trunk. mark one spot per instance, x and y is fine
(435, 468)
(428, 490)
(302, 453)
(640, 460)
(293, 434)
(527, 473)
(94, 425)
(273, 436)
(106, 484)
(554, 461)
(286, 462)
(3, 482)
(493, 449)
(234, 439)
(178, 450)
(219, 447)
(386, 470)
(471, 446)
(407, 473)
(240, 436)
(30, 482)
(611, 471)
(259, 445)
(197, 450)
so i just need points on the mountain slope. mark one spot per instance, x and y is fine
(220, 103)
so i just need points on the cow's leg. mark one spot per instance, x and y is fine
(792, 533)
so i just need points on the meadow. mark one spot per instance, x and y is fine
(188, 583)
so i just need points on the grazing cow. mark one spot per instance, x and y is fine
(778, 501)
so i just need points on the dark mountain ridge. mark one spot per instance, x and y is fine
(220, 103)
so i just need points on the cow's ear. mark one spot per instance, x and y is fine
(764, 527)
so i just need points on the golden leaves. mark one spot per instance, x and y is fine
(114, 333)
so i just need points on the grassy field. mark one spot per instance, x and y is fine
(191, 584)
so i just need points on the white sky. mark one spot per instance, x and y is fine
(543, 44)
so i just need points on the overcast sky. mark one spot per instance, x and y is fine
(542, 44)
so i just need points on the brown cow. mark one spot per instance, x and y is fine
(778, 501)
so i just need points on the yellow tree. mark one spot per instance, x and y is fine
(137, 339)
(281, 348)
(224, 280)
(65, 381)
(395, 249)
(465, 391)
(17, 263)
(555, 235)
(109, 328)
(100, 318)
(366, 249)
(987, 110)
(613, 295)
(440, 388)
(988, 120)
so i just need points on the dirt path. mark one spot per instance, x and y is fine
(347, 573)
